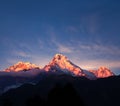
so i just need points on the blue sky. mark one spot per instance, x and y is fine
(86, 31)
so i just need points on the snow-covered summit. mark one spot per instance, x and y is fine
(102, 72)
(21, 66)
(62, 63)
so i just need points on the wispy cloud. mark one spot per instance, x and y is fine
(12, 61)
(21, 54)
(25, 46)
(64, 49)
(100, 48)
(90, 23)
(40, 43)
(61, 47)
(72, 29)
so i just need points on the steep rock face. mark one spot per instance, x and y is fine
(61, 62)
(21, 66)
(102, 72)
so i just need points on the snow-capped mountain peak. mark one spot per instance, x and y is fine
(59, 59)
(21, 66)
(61, 62)
(102, 72)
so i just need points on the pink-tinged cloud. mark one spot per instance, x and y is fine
(64, 49)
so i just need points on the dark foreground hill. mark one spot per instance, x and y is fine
(58, 90)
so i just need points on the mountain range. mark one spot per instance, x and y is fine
(61, 64)
(26, 72)
(26, 82)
